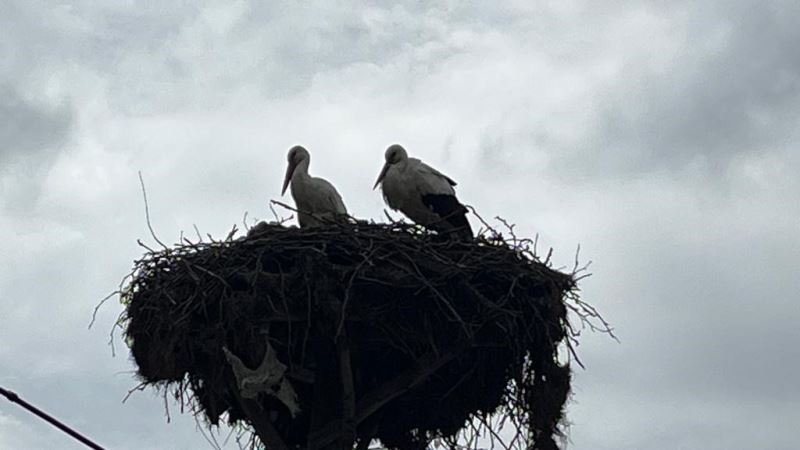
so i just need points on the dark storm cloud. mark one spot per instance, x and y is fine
(733, 88)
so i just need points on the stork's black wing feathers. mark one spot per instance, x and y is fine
(451, 211)
(428, 169)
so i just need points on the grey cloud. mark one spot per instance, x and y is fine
(722, 80)
(117, 43)
(28, 129)
(287, 45)
(168, 57)
(330, 37)
(85, 33)
(704, 317)
(31, 137)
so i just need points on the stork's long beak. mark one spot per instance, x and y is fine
(289, 171)
(380, 177)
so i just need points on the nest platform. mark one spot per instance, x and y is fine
(334, 337)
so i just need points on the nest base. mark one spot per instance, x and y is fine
(386, 332)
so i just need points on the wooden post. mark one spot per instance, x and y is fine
(261, 424)
(326, 403)
(348, 433)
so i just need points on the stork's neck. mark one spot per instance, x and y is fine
(402, 164)
(301, 171)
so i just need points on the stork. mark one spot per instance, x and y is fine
(317, 201)
(422, 193)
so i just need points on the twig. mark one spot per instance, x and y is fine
(321, 218)
(138, 387)
(147, 212)
(96, 308)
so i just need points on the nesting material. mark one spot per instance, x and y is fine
(355, 332)
(268, 378)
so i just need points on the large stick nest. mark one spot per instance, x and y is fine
(403, 299)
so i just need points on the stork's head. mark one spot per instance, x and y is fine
(296, 156)
(394, 154)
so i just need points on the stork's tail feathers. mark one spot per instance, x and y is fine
(453, 214)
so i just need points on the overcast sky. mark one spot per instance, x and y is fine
(661, 137)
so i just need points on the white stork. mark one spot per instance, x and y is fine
(422, 193)
(316, 199)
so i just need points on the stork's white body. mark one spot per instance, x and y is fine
(317, 201)
(422, 193)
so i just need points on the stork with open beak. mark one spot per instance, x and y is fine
(422, 193)
(317, 201)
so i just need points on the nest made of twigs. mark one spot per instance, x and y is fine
(477, 325)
